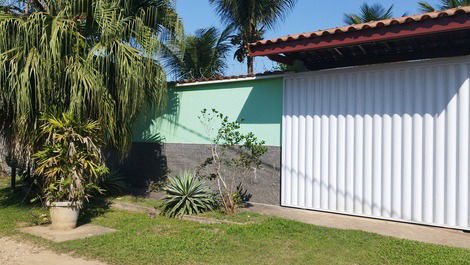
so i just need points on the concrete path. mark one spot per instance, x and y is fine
(14, 252)
(442, 236)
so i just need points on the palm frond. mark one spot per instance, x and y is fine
(352, 19)
(203, 55)
(96, 59)
(444, 4)
(369, 13)
(250, 18)
(426, 7)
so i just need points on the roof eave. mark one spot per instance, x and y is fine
(392, 32)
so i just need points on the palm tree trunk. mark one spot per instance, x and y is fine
(250, 61)
(13, 178)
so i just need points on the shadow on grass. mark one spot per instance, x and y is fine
(19, 199)
(95, 208)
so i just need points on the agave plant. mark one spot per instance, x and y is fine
(114, 183)
(186, 194)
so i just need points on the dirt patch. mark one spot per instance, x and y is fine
(13, 252)
(136, 208)
(84, 231)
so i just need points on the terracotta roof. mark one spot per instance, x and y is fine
(218, 78)
(365, 26)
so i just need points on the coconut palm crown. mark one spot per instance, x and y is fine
(369, 13)
(95, 59)
(445, 4)
(250, 19)
(203, 56)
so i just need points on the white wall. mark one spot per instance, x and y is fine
(388, 141)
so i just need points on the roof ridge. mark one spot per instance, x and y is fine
(366, 25)
(229, 77)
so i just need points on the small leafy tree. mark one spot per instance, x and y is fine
(234, 155)
(69, 164)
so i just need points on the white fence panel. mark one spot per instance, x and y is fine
(388, 141)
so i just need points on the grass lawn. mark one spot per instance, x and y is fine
(268, 240)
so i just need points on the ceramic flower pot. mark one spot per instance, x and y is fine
(64, 215)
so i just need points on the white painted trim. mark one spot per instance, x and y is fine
(231, 80)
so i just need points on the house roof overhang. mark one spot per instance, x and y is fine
(437, 34)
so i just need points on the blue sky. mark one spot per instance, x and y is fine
(308, 15)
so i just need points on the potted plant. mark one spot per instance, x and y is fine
(69, 165)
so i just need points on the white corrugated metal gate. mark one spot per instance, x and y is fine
(388, 141)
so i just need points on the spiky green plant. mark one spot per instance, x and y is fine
(114, 183)
(203, 56)
(250, 19)
(69, 164)
(369, 13)
(186, 194)
(96, 59)
(445, 4)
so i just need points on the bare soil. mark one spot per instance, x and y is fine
(15, 252)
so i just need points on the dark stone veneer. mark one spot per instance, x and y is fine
(148, 160)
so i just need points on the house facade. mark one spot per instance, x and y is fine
(374, 120)
(257, 101)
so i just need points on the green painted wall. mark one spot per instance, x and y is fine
(258, 102)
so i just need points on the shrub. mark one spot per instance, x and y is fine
(114, 183)
(186, 194)
(234, 155)
(69, 164)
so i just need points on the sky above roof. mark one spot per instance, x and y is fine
(308, 15)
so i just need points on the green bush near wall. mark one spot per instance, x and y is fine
(257, 102)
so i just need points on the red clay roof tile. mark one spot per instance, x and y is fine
(217, 78)
(364, 26)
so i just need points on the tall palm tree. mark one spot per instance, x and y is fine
(203, 56)
(445, 4)
(369, 13)
(92, 58)
(250, 19)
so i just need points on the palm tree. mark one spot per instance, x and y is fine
(250, 19)
(95, 59)
(369, 13)
(203, 56)
(445, 4)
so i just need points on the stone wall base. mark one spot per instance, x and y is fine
(149, 160)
